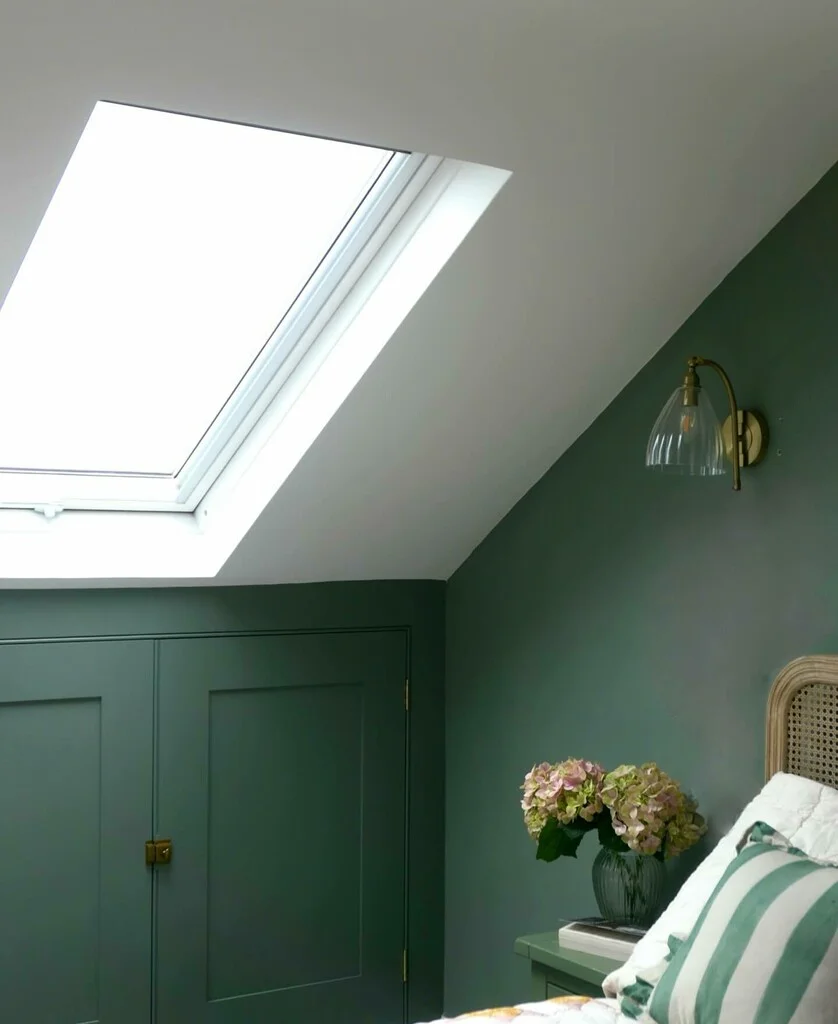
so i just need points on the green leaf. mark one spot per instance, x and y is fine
(558, 840)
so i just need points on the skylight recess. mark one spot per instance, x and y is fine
(171, 277)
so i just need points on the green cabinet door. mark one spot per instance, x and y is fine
(75, 812)
(281, 782)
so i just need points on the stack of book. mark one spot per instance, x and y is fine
(594, 935)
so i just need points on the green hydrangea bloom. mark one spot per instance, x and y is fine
(649, 811)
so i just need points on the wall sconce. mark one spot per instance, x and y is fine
(687, 437)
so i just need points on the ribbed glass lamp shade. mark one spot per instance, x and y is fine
(686, 438)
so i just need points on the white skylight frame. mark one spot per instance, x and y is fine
(402, 179)
(420, 231)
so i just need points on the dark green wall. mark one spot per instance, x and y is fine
(417, 607)
(622, 616)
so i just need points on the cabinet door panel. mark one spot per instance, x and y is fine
(75, 807)
(282, 786)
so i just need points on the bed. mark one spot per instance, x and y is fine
(801, 758)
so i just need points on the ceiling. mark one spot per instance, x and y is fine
(652, 144)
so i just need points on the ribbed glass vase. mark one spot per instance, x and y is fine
(628, 887)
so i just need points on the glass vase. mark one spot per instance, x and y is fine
(628, 887)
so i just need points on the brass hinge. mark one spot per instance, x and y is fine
(407, 695)
(404, 966)
(158, 851)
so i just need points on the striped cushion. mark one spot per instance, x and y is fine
(764, 949)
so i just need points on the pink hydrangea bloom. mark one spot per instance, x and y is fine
(648, 809)
(565, 791)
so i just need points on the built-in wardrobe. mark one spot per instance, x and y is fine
(212, 826)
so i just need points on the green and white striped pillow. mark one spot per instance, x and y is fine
(764, 949)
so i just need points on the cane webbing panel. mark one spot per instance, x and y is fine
(802, 733)
(812, 733)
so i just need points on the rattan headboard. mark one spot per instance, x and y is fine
(802, 722)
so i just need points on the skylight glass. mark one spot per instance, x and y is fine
(173, 248)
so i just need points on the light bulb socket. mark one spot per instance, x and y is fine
(692, 386)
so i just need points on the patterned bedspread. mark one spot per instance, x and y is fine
(562, 1010)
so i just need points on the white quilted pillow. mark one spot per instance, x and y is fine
(805, 812)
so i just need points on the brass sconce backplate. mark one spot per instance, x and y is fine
(754, 431)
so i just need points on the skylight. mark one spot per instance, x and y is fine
(173, 285)
(197, 304)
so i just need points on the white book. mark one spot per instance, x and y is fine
(600, 939)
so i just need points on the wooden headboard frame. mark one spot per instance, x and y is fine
(802, 720)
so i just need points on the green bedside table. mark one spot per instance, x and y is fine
(562, 972)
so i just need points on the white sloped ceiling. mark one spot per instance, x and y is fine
(652, 144)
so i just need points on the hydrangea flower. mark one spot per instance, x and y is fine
(649, 811)
(566, 791)
(639, 808)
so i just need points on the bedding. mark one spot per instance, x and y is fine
(803, 810)
(765, 947)
(561, 1010)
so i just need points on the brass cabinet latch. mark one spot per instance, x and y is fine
(158, 851)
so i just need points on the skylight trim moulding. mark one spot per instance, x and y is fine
(440, 218)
